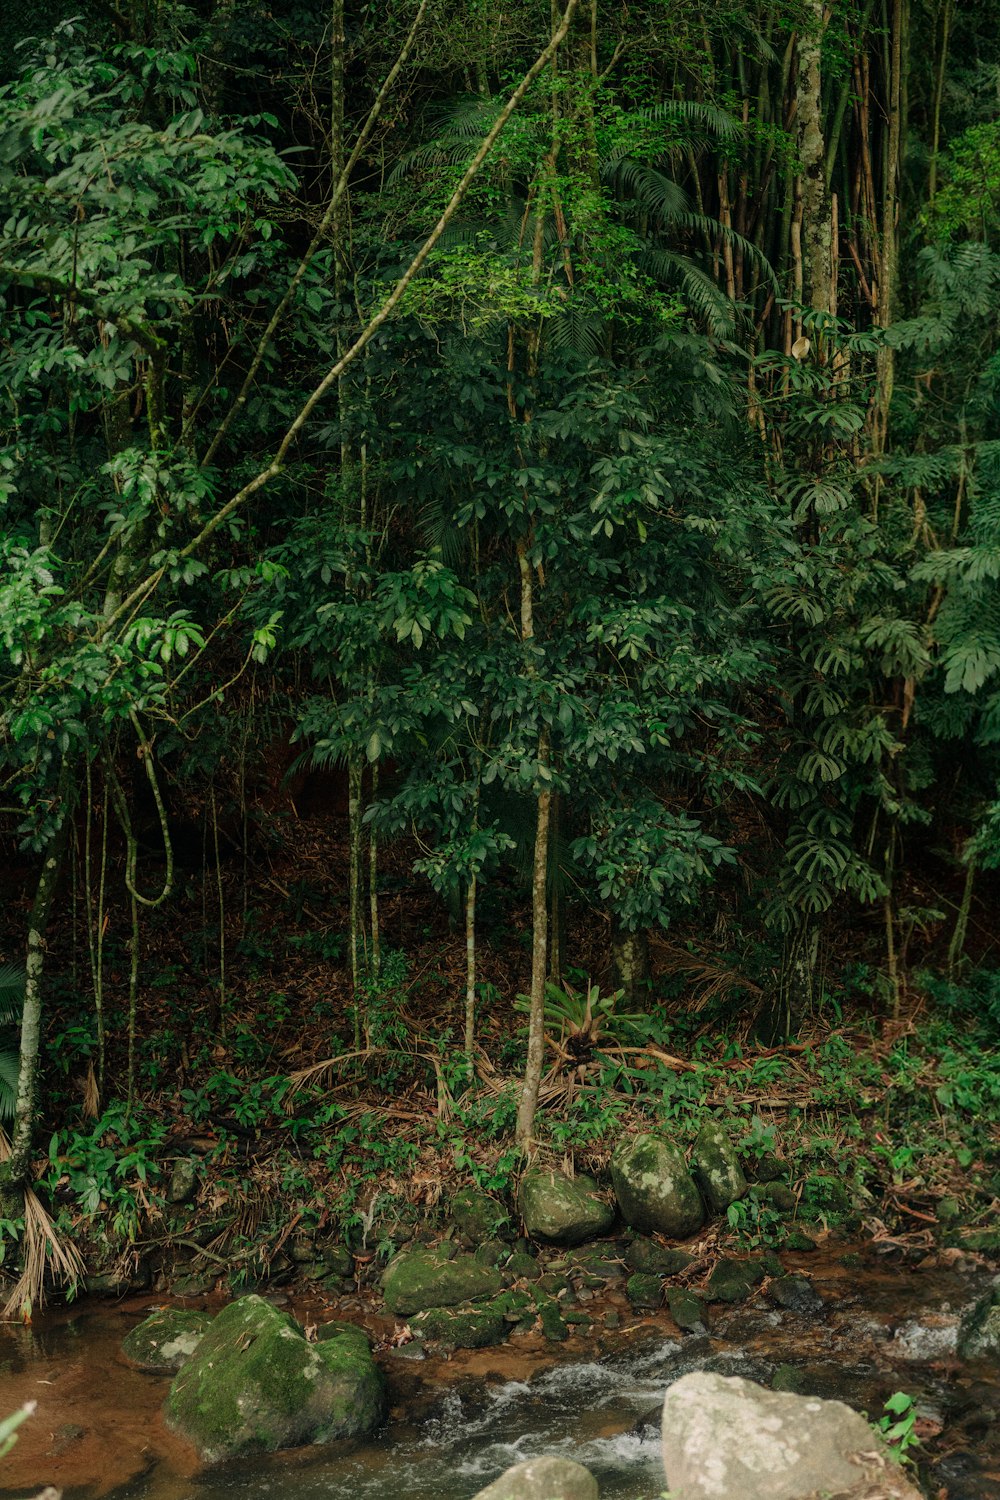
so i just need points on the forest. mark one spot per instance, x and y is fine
(499, 612)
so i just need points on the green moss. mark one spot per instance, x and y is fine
(254, 1384)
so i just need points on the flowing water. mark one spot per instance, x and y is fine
(457, 1424)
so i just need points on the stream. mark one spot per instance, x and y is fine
(457, 1423)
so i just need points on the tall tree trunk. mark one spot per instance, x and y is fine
(817, 231)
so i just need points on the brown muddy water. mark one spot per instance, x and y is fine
(456, 1424)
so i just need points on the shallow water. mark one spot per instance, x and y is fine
(458, 1424)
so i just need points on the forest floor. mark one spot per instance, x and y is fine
(299, 1115)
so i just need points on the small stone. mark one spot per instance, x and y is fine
(524, 1267)
(644, 1290)
(554, 1283)
(796, 1240)
(192, 1285)
(686, 1309)
(491, 1252)
(612, 1318)
(337, 1259)
(553, 1324)
(646, 1255)
(733, 1280)
(183, 1181)
(414, 1350)
(776, 1195)
(768, 1167)
(788, 1378)
(795, 1294)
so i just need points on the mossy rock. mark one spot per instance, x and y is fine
(717, 1168)
(776, 1195)
(337, 1259)
(788, 1378)
(796, 1240)
(562, 1210)
(553, 1323)
(655, 1190)
(595, 1265)
(255, 1385)
(491, 1252)
(796, 1294)
(733, 1280)
(979, 1330)
(686, 1309)
(415, 1280)
(523, 1267)
(644, 1290)
(479, 1217)
(166, 1340)
(646, 1255)
(471, 1327)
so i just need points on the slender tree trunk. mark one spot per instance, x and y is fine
(470, 976)
(26, 1106)
(539, 954)
(956, 948)
(354, 774)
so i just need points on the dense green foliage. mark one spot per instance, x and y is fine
(630, 544)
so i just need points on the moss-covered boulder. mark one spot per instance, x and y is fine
(471, 1327)
(717, 1168)
(654, 1188)
(254, 1385)
(415, 1280)
(979, 1330)
(562, 1210)
(165, 1340)
(479, 1217)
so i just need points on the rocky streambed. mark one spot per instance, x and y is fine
(458, 1417)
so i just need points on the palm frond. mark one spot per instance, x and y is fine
(656, 194)
(707, 301)
(718, 124)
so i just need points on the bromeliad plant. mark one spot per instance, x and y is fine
(580, 1023)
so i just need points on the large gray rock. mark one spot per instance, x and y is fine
(979, 1330)
(542, 1479)
(654, 1188)
(254, 1385)
(562, 1210)
(166, 1340)
(717, 1168)
(724, 1437)
(417, 1279)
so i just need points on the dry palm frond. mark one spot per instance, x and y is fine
(43, 1254)
(91, 1098)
